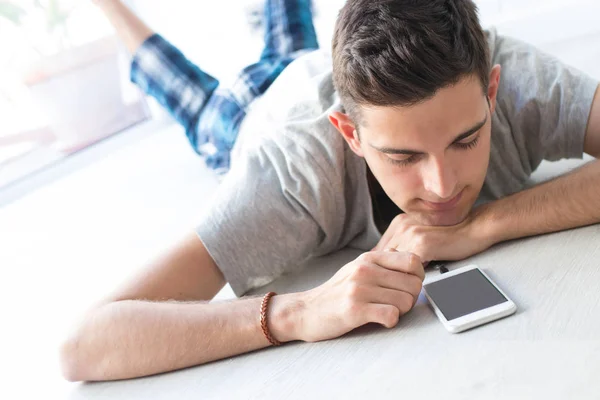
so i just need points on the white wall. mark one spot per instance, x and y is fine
(542, 22)
(216, 34)
(568, 29)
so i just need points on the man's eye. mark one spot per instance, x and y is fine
(468, 145)
(404, 161)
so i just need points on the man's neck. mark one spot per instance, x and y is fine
(384, 209)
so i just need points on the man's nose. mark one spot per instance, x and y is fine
(439, 178)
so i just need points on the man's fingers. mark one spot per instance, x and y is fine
(396, 261)
(403, 300)
(385, 238)
(386, 278)
(384, 314)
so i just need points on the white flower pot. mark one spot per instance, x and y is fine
(83, 93)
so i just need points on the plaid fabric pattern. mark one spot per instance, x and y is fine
(212, 114)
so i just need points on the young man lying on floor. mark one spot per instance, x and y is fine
(416, 135)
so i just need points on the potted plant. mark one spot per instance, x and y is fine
(76, 81)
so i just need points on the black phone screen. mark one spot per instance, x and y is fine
(464, 294)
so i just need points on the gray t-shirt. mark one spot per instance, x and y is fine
(295, 189)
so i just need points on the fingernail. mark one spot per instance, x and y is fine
(414, 259)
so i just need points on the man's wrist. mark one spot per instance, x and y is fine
(485, 227)
(285, 317)
(109, 5)
(98, 2)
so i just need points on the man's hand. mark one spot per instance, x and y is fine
(436, 242)
(376, 287)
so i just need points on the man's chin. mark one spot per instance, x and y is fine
(442, 218)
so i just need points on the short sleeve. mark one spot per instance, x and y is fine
(264, 220)
(545, 102)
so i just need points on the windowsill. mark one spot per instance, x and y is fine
(44, 167)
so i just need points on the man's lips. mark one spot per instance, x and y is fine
(445, 206)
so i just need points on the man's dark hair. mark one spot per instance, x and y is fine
(401, 52)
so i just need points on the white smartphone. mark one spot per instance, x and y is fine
(465, 298)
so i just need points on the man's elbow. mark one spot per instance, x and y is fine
(71, 365)
(77, 365)
(80, 359)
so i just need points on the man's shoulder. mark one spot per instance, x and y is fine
(304, 90)
(293, 115)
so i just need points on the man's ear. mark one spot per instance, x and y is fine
(347, 129)
(493, 86)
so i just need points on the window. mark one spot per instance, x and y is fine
(63, 83)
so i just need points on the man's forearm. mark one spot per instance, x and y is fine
(570, 201)
(133, 338)
(130, 29)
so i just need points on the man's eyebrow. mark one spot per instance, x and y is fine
(408, 152)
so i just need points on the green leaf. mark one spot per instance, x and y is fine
(56, 16)
(12, 12)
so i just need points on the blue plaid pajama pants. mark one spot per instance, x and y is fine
(210, 113)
